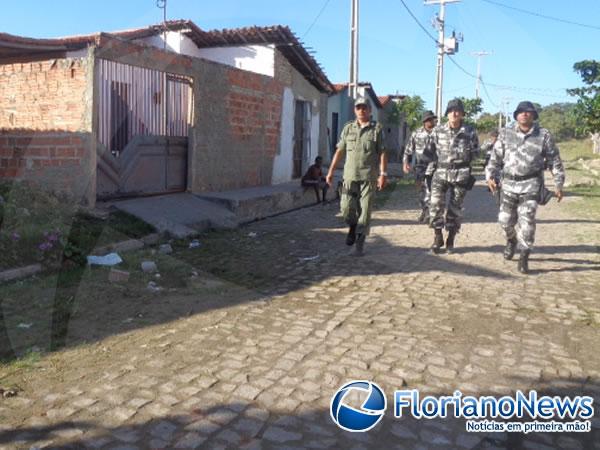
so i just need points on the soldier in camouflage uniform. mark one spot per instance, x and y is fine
(488, 145)
(522, 152)
(420, 149)
(362, 142)
(456, 145)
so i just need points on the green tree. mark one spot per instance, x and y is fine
(560, 119)
(487, 122)
(473, 106)
(588, 103)
(411, 109)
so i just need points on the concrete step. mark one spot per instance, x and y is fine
(259, 202)
(180, 215)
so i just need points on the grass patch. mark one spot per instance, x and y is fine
(9, 370)
(382, 197)
(575, 150)
(583, 179)
(588, 204)
(38, 227)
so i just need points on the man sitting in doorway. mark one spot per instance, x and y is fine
(314, 178)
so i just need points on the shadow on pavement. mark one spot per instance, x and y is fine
(567, 221)
(278, 256)
(253, 425)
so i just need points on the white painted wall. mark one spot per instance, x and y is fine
(314, 136)
(174, 41)
(283, 163)
(253, 58)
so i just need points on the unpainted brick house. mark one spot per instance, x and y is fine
(160, 109)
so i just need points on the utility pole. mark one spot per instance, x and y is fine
(162, 4)
(504, 106)
(353, 85)
(478, 80)
(439, 78)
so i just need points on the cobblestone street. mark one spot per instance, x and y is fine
(256, 368)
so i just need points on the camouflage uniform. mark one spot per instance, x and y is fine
(454, 150)
(522, 158)
(363, 148)
(420, 149)
(486, 148)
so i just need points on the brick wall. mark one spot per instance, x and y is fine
(253, 108)
(44, 95)
(26, 151)
(236, 129)
(44, 125)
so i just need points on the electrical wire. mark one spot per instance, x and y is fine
(594, 27)
(487, 94)
(537, 91)
(316, 18)
(419, 23)
(461, 67)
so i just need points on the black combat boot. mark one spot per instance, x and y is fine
(424, 217)
(438, 241)
(523, 265)
(358, 249)
(450, 240)
(509, 250)
(351, 237)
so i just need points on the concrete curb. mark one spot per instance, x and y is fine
(123, 246)
(20, 272)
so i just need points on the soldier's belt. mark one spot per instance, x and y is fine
(461, 165)
(529, 176)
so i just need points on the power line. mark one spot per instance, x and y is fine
(316, 18)
(536, 91)
(556, 19)
(419, 23)
(532, 90)
(461, 68)
(487, 94)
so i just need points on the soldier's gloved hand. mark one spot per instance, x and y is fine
(492, 185)
(559, 194)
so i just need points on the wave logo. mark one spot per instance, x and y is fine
(370, 413)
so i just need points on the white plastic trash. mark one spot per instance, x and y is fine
(112, 259)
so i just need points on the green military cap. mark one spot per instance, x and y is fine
(362, 101)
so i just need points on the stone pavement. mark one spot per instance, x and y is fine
(259, 373)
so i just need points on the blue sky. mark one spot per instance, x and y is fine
(532, 56)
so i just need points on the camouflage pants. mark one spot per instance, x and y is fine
(356, 204)
(424, 190)
(517, 218)
(423, 183)
(440, 215)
